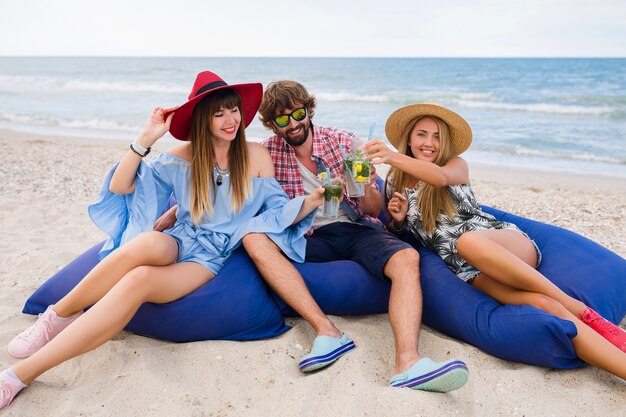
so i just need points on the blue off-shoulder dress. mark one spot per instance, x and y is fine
(268, 210)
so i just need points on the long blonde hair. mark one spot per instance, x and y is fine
(431, 200)
(203, 156)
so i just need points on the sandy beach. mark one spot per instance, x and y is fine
(46, 184)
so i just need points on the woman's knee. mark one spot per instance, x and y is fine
(467, 242)
(153, 241)
(547, 304)
(138, 280)
(149, 245)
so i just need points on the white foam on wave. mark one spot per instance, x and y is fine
(581, 156)
(352, 97)
(25, 84)
(479, 100)
(551, 154)
(455, 95)
(50, 121)
(402, 97)
(538, 107)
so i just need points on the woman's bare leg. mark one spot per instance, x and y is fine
(589, 345)
(508, 257)
(109, 315)
(148, 248)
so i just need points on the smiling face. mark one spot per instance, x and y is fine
(296, 132)
(225, 123)
(424, 140)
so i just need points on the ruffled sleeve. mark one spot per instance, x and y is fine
(122, 217)
(274, 219)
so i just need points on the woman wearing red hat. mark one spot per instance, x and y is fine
(225, 189)
(429, 195)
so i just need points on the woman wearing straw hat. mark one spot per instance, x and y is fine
(429, 194)
(225, 189)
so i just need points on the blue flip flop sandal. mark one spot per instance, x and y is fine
(428, 375)
(326, 350)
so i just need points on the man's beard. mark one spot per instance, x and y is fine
(301, 138)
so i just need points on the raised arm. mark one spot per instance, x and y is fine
(452, 173)
(261, 165)
(155, 127)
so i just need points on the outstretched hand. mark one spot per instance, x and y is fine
(310, 203)
(316, 198)
(156, 126)
(378, 152)
(398, 207)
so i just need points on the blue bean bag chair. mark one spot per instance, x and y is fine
(580, 267)
(234, 305)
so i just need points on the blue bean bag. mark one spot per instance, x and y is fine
(235, 305)
(524, 334)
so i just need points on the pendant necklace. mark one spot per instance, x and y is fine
(221, 173)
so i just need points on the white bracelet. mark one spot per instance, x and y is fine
(138, 149)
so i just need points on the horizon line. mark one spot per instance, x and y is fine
(311, 57)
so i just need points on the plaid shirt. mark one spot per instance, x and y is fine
(327, 152)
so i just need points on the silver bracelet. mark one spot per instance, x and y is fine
(138, 149)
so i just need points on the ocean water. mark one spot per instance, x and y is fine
(546, 114)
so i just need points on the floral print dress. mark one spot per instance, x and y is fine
(448, 230)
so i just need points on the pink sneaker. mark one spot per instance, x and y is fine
(605, 328)
(9, 388)
(36, 336)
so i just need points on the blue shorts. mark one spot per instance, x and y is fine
(369, 247)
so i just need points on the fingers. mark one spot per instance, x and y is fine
(372, 143)
(399, 196)
(377, 152)
(398, 204)
(168, 121)
(394, 205)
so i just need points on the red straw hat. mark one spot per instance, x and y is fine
(206, 83)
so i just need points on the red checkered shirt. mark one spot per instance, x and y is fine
(326, 142)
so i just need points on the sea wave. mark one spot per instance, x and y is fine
(551, 154)
(55, 122)
(540, 107)
(352, 97)
(483, 100)
(24, 84)
(401, 97)
(619, 100)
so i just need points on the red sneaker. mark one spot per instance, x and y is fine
(605, 328)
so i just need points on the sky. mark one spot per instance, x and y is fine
(333, 28)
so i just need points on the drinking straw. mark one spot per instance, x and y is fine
(328, 176)
(345, 158)
(370, 136)
(343, 153)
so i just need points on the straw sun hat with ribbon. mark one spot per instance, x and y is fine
(460, 130)
(206, 83)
